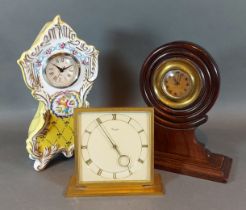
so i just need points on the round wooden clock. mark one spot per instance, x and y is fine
(181, 81)
(59, 69)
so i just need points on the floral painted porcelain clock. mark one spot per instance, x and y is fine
(59, 69)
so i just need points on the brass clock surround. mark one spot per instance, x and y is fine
(183, 65)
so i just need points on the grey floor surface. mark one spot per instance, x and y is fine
(24, 189)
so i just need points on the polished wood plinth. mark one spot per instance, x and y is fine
(180, 152)
(114, 190)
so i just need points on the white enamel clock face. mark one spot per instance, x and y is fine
(62, 70)
(115, 146)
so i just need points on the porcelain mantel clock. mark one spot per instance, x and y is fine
(59, 69)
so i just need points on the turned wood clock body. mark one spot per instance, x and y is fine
(181, 81)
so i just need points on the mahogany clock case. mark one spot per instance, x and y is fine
(176, 146)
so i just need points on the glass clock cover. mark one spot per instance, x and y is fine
(114, 146)
(177, 83)
(62, 70)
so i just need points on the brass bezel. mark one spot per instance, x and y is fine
(78, 156)
(186, 66)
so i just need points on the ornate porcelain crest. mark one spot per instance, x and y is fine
(59, 69)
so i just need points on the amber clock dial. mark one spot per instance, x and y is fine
(177, 83)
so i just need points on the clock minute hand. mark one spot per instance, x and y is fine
(179, 77)
(123, 160)
(66, 67)
(175, 80)
(109, 137)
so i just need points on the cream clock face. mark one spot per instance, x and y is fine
(62, 70)
(115, 146)
(177, 84)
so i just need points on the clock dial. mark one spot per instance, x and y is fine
(120, 154)
(177, 84)
(115, 147)
(62, 70)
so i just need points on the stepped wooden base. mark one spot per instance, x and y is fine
(179, 151)
(216, 169)
(113, 190)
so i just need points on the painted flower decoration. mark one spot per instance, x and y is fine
(63, 104)
(48, 51)
(62, 45)
(86, 61)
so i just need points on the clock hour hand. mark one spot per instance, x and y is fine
(176, 79)
(60, 69)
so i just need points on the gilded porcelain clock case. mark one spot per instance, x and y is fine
(59, 69)
(181, 81)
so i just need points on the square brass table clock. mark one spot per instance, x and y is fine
(59, 69)
(114, 153)
(181, 81)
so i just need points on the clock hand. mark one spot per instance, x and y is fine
(123, 160)
(109, 138)
(175, 80)
(66, 67)
(179, 77)
(60, 69)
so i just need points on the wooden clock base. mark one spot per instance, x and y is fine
(110, 190)
(179, 151)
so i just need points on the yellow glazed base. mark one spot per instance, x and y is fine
(48, 136)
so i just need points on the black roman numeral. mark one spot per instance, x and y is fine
(141, 131)
(88, 162)
(129, 120)
(140, 160)
(99, 121)
(86, 131)
(114, 116)
(99, 172)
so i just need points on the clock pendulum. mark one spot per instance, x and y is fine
(181, 81)
(59, 69)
